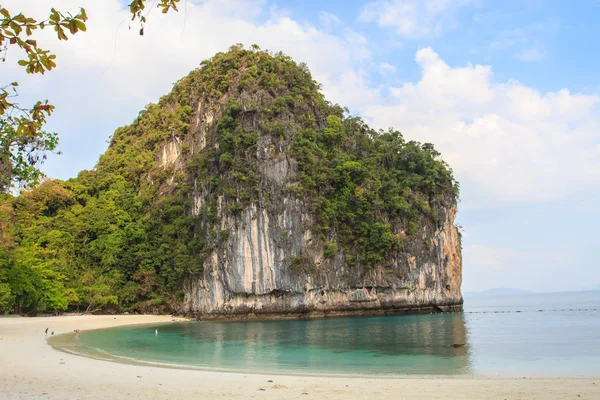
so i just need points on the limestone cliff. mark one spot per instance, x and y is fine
(250, 274)
(302, 210)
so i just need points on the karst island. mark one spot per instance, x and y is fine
(244, 192)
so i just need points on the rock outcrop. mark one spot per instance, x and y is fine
(250, 273)
(241, 193)
(264, 255)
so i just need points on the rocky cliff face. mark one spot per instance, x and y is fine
(250, 273)
(265, 249)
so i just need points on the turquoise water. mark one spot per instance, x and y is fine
(498, 341)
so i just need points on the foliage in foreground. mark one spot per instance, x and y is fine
(23, 141)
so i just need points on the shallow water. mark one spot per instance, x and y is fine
(528, 343)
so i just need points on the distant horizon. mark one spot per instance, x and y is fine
(525, 291)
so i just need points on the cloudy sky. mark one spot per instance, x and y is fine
(508, 91)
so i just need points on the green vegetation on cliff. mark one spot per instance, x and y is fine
(124, 235)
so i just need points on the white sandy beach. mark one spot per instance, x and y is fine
(31, 369)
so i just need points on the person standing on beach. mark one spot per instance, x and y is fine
(46, 331)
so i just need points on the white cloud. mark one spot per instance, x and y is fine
(329, 20)
(175, 43)
(530, 55)
(107, 74)
(523, 35)
(412, 18)
(529, 267)
(511, 37)
(489, 257)
(506, 141)
(358, 45)
(526, 42)
(385, 68)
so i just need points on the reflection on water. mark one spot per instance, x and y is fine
(412, 344)
(562, 340)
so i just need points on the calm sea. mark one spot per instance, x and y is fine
(489, 339)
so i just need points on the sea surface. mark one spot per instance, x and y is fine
(529, 335)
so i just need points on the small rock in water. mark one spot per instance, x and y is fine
(269, 380)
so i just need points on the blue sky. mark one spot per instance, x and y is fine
(555, 39)
(508, 91)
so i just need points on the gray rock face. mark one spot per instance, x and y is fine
(251, 272)
(266, 262)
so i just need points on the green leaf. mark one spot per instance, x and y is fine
(22, 63)
(72, 27)
(44, 61)
(16, 28)
(80, 25)
(54, 17)
(61, 33)
(20, 18)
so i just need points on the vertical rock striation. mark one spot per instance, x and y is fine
(251, 274)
